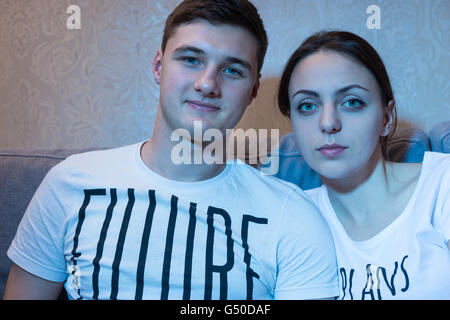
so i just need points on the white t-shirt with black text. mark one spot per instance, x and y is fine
(112, 229)
(409, 259)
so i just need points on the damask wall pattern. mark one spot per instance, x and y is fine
(93, 87)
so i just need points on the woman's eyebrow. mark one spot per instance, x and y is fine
(346, 88)
(338, 92)
(307, 92)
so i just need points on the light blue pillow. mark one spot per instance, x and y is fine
(292, 167)
(440, 137)
(407, 145)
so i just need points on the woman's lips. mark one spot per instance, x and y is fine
(202, 106)
(331, 150)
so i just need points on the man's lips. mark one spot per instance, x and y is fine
(202, 106)
(331, 150)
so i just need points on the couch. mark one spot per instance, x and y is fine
(21, 172)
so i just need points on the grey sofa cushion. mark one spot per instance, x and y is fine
(440, 137)
(20, 175)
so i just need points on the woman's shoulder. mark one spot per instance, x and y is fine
(437, 165)
(405, 173)
(437, 158)
(433, 162)
(435, 168)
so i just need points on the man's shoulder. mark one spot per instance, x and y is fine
(316, 192)
(95, 161)
(259, 179)
(107, 153)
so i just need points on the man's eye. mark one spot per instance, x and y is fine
(232, 71)
(190, 60)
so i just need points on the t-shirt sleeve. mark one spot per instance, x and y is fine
(443, 200)
(307, 267)
(38, 244)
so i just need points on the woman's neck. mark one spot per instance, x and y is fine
(362, 192)
(368, 201)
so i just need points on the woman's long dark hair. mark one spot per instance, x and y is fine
(351, 45)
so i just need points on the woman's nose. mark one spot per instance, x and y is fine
(329, 121)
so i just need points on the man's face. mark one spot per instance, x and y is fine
(207, 73)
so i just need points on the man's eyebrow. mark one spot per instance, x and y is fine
(340, 91)
(243, 63)
(184, 49)
(228, 59)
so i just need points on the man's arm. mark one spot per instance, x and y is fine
(307, 266)
(22, 285)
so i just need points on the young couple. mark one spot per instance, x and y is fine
(128, 223)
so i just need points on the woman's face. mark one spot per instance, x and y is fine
(337, 114)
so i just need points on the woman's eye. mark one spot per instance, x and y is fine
(307, 107)
(353, 103)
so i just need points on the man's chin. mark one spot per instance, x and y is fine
(199, 131)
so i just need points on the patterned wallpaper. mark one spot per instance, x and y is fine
(93, 87)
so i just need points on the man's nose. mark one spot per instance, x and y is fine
(207, 83)
(329, 120)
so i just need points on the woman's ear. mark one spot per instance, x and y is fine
(388, 118)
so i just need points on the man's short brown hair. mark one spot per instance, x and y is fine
(239, 13)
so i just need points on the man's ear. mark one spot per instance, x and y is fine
(157, 64)
(388, 118)
(255, 88)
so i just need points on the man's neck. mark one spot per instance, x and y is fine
(157, 154)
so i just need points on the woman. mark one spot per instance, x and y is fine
(390, 221)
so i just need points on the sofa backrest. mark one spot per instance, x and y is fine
(21, 172)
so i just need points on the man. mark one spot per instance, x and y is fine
(129, 223)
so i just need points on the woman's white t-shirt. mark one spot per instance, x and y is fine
(409, 259)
